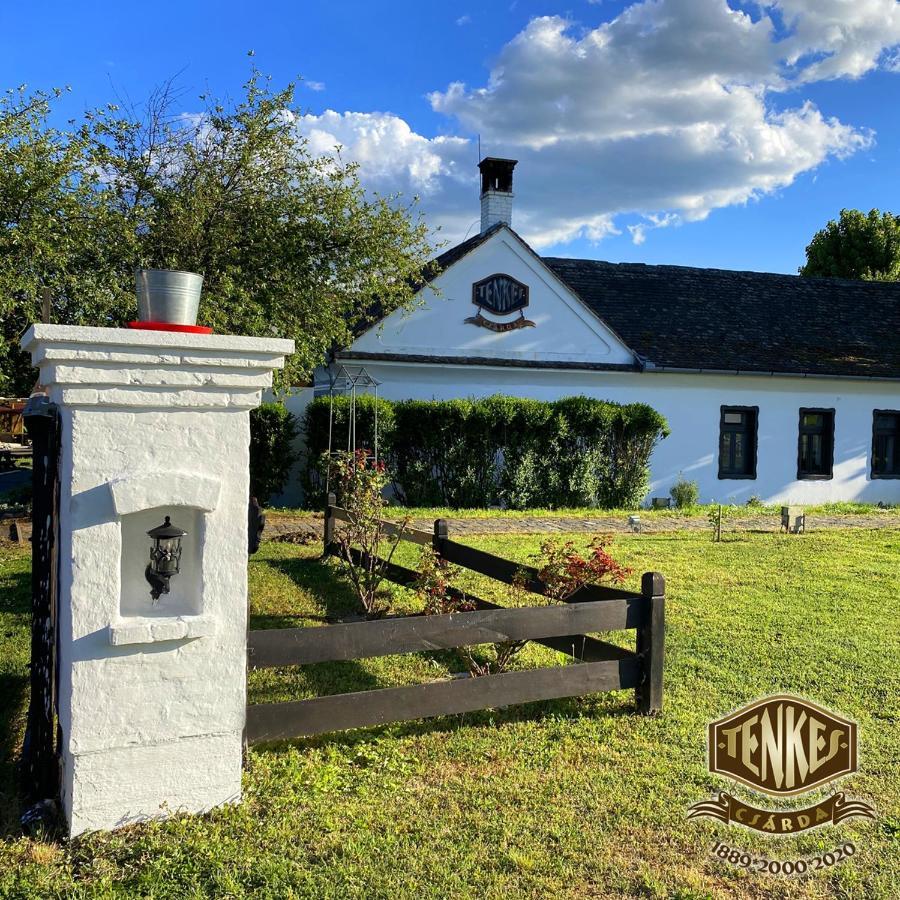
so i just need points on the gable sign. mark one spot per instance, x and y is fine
(501, 295)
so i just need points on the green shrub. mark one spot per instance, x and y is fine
(272, 433)
(512, 451)
(685, 493)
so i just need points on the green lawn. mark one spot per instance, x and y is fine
(840, 508)
(575, 798)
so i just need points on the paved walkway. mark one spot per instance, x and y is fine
(284, 525)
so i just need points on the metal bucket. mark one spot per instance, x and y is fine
(168, 296)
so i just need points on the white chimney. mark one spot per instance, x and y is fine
(496, 191)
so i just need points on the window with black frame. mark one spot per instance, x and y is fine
(815, 454)
(886, 443)
(737, 441)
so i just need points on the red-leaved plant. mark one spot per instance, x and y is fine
(563, 570)
(364, 546)
(434, 587)
(439, 597)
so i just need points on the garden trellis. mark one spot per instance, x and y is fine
(347, 382)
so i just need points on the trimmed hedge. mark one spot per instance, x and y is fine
(498, 450)
(272, 433)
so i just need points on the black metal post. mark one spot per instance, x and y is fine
(40, 772)
(651, 644)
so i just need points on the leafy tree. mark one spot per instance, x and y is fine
(288, 242)
(858, 245)
(53, 230)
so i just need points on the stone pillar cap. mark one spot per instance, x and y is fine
(86, 366)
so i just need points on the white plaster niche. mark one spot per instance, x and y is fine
(142, 503)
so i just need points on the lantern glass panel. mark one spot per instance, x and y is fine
(168, 555)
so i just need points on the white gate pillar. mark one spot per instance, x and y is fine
(151, 695)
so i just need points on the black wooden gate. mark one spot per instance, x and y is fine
(40, 771)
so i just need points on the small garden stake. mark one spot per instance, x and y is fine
(715, 522)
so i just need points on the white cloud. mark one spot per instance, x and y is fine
(384, 145)
(464, 20)
(639, 231)
(393, 158)
(314, 85)
(837, 38)
(669, 110)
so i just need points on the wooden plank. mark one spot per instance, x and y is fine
(505, 570)
(651, 645)
(300, 718)
(414, 535)
(587, 648)
(588, 594)
(584, 648)
(580, 646)
(338, 513)
(22, 531)
(393, 572)
(412, 634)
(495, 567)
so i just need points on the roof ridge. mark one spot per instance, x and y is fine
(811, 279)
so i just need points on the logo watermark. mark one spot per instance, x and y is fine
(782, 746)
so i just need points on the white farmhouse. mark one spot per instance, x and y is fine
(777, 386)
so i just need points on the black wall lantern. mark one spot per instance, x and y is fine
(165, 557)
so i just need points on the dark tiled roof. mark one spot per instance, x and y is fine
(689, 318)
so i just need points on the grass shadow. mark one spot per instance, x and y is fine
(615, 705)
(15, 612)
(314, 575)
(334, 595)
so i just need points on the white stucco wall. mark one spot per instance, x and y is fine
(565, 329)
(691, 403)
(151, 699)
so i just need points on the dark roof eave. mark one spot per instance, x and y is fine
(680, 370)
(490, 361)
(717, 321)
(568, 365)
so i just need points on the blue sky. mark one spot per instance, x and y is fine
(675, 131)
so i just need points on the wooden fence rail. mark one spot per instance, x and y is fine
(598, 665)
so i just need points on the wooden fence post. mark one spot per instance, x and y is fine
(441, 534)
(40, 771)
(328, 529)
(651, 644)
